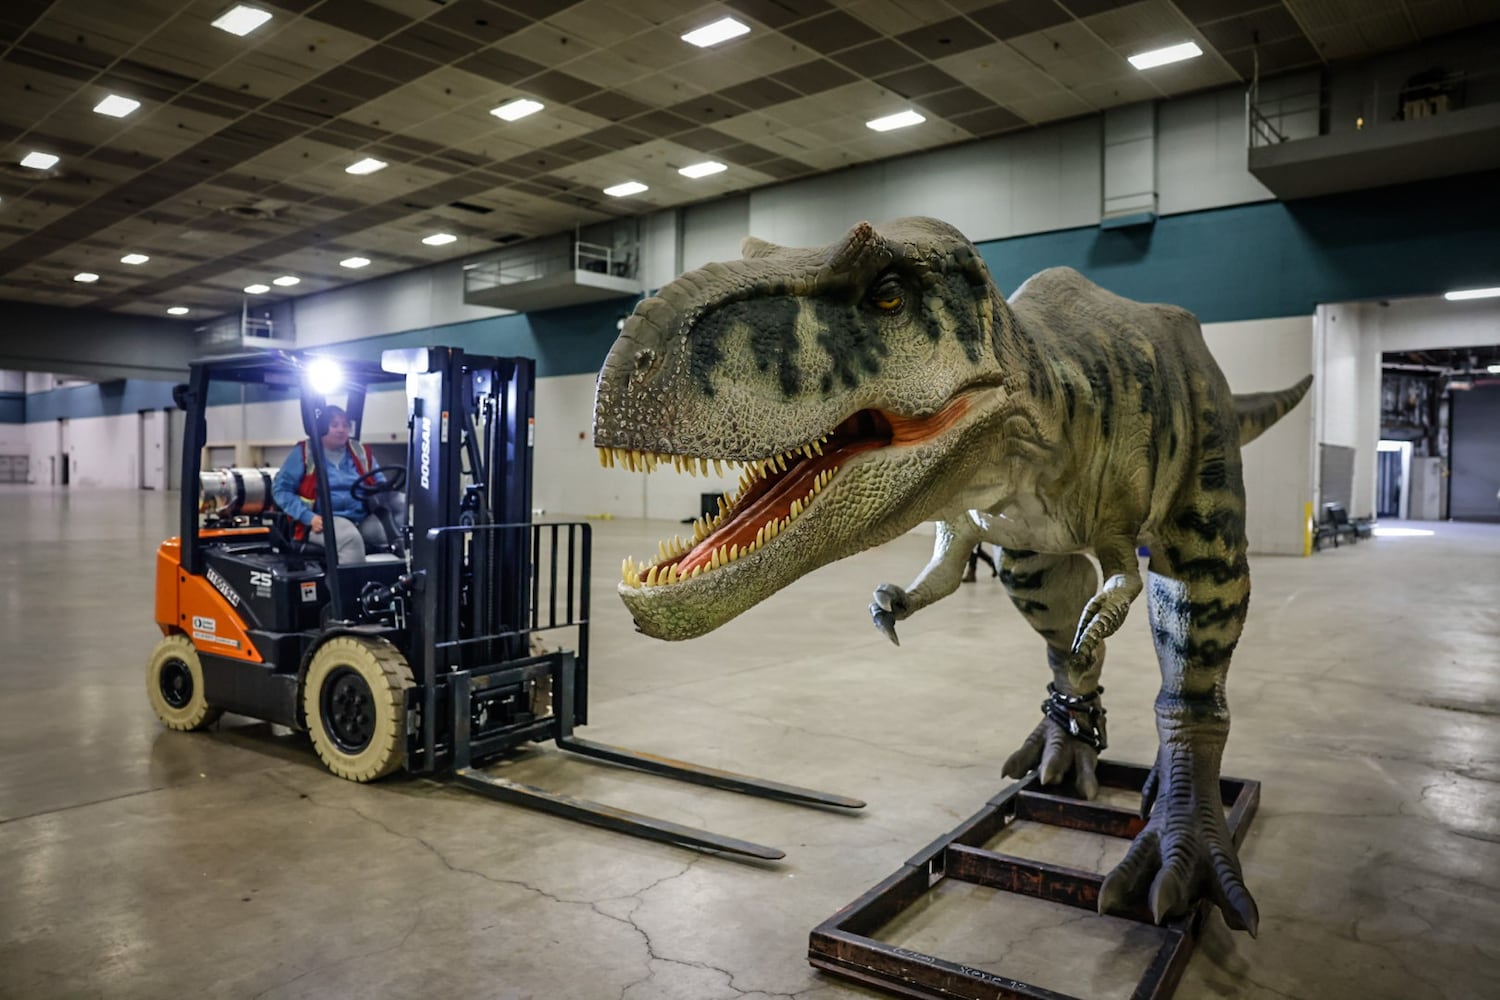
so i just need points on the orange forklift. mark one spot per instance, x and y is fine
(437, 652)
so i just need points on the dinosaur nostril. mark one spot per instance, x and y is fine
(645, 359)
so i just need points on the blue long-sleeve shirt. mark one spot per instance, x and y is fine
(341, 475)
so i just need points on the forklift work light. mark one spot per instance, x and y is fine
(324, 376)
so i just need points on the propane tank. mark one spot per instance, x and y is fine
(236, 492)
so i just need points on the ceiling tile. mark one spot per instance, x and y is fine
(814, 77)
(878, 57)
(360, 17)
(946, 38)
(1011, 18)
(917, 81)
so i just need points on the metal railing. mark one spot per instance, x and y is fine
(544, 260)
(1312, 112)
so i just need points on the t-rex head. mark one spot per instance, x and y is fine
(841, 379)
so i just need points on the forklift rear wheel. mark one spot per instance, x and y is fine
(174, 680)
(354, 698)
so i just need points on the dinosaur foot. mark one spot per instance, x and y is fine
(1185, 852)
(1057, 755)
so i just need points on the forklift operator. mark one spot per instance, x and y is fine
(295, 490)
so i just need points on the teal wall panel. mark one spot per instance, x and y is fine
(101, 399)
(12, 407)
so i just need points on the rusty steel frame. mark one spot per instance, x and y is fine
(844, 944)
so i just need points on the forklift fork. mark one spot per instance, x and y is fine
(562, 667)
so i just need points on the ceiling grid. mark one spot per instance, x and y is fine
(232, 170)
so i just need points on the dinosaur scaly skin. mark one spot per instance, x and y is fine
(883, 381)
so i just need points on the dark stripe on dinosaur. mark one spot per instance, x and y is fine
(1216, 612)
(1209, 568)
(773, 341)
(955, 291)
(853, 342)
(1022, 581)
(1019, 553)
(1027, 607)
(1223, 524)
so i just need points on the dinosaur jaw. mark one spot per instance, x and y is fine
(792, 513)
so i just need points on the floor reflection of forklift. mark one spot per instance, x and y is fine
(420, 657)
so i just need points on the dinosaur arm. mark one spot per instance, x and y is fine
(956, 538)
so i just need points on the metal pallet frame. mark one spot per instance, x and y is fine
(843, 944)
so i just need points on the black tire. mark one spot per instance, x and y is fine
(354, 698)
(174, 683)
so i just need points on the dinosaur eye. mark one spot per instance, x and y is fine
(887, 295)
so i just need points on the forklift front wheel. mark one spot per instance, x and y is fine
(354, 698)
(174, 681)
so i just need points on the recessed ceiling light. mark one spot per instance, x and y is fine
(520, 108)
(1170, 54)
(241, 19)
(354, 263)
(178, 311)
(703, 169)
(87, 277)
(712, 34)
(39, 161)
(900, 119)
(366, 166)
(116, 106)
(134, 258)
(628, 188)
(439, 239)
(257, 289)
(1471, 293)
(286, 280)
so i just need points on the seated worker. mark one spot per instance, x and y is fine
(295, 489)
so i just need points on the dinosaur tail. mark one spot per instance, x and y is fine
(1259, 410)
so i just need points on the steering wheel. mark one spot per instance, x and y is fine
(367, 486)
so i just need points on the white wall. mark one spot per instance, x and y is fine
(1371, 329)
(1256, 356)
(13, 440)
(104, 452)
(713, 231)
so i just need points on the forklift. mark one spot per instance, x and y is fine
(429, 655)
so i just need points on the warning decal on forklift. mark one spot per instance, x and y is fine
(531, 432)
(309, 591)
(205, 629)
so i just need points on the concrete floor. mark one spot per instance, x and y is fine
(137, 862)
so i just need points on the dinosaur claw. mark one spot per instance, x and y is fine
(1167, 895)
(886, 622)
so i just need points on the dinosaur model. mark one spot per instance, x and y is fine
(883, 381)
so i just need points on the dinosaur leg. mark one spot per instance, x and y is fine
(1051, 592)
(1199, 590)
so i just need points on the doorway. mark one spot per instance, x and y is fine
(61, 463)
(151, 446)
(1392, 465)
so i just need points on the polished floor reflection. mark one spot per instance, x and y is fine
(141, 863)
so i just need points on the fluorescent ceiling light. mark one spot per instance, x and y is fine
(116, 106)
(354, 263)
(1493, 369)
(241, 20)
(178, 311)
(286, 280)
(519, 108)
(39, 161)
(366, 166)
(1170, 54)
(257, 289)
(439, 239)
(703, 169)
(324, 375)
(1461, 294)
(628, 188)
(134, 258)
(900, 119)
(712, 34)
(87, 277)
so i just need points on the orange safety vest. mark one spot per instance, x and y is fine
(307, 490)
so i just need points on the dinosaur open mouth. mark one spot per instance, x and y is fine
(773, 492)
